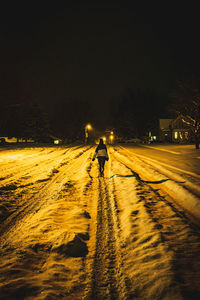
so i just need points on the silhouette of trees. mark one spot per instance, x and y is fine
(34, 122)
(135, 113)
(70, 117)
(24, 120)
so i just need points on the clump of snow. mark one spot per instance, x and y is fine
(75, 248)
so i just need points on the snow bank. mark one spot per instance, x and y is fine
(178, 187)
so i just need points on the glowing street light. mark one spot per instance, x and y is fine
(87, 128)
(111, 138)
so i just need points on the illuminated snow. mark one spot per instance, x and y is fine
(66, 233)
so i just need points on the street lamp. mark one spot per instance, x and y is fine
(87, 128)
(104, 139)
(111, 138)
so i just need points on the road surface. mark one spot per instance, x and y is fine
(66, 233)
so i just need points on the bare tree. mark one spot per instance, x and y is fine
(187, 105)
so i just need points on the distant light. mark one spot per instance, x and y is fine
(175, 135)
(88, 127)
(104, 138)
(181, 135)
(111, 137)
(154, 138)
(112, 132)
(56, 142)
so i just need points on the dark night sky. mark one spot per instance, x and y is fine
(91, 51)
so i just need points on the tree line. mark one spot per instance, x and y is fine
(26, 120)
(133, 114)
(136, 112)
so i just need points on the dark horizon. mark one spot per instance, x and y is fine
(93, 52)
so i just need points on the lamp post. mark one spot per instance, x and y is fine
(87, 128)
(111, 138)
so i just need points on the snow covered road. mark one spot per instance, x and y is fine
(66, 233)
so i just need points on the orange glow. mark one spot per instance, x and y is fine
(88, 127)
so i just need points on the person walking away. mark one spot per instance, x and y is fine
(102, 155)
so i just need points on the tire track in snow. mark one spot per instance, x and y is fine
(17, 173)
(35, 161)
(178, 234)
(49, 190)
(24, 160)
(104, 264)
(50, 277)
(108, 280)
(174, 206)
(181, 237)
(184, 195)
(192, 183)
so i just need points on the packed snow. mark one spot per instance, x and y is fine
(66, 233)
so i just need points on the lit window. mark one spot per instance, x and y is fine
(175, 135)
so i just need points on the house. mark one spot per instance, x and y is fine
(180, 131)
(165, 130)
(10, 140)
(174, 131)
(46, 139)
